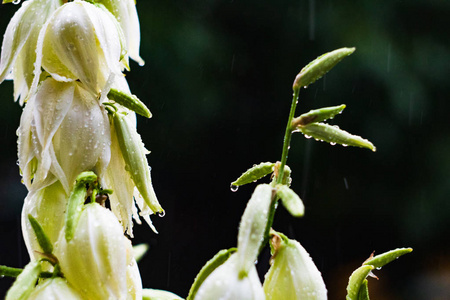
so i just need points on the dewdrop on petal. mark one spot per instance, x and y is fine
(96, 259)
(19, 44)
(80, 42)
(292, 275)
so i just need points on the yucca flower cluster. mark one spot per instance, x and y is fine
(78, 146)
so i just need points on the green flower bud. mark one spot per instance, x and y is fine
(64, 131)
(55, 289)
(292, 275)
(229, 282)
(19, 44)
(96, 259)
(47, 206)
(80, 42)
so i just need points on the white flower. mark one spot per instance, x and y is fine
(95, 261)
(63, 132)
(292, 275)
(54, 289)
(126, 14)
(227, 282)
(47, 206)
(80, 42)
(19, 44)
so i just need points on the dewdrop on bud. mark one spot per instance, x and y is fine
(292, 275)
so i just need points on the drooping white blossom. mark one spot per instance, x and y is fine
(55, 289)
(63, 132)
(20, 41)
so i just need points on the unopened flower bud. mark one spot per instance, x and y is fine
(95, 260)
(292, 275)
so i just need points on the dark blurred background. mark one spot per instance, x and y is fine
(218, 79)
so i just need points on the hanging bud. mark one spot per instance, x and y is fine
(126, 14)
(317, 115)
(334, 135)
(55, 289)
(47, 206)
(63, 132)
(290, 200)
(232, 281)
(95, 260)
(19, 44)
(133, 152)
(80, 42)
(320, 66)
(292, 274)
(253, 226)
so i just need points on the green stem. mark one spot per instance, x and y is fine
(9, 272)
(279, 178)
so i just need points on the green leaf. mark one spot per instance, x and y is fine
(320, 66)
(152, 294)
(385, 258)
(254, 173)
(42, 238)
(25, 282)
(356, 281)
(218, 259)
(364, 291)
(317, 115)
(291, 201)
(76, 201)
(129, 101)
(334, 135)
(139, 251)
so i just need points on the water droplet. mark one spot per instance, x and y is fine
(308, 136)
(378, 268)
(234, 188)
(332, 143)
(17, 162)
(161, 214)
(16, 2)
(305, 87)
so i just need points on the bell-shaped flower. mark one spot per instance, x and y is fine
(80, 42)
(95, 261)
(55, 289)
(19, 44)
(126, 14)
(292, 275)
(237, 278)
(47, 206)
(229, 282)
(63, 132)
(134, 282)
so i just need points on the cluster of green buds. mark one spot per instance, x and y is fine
(80, 156)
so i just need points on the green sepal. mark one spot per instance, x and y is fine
(320, 66)
(9, 272)
(364, 291)
(254, 173)
(317, 115)
(356, 281)
(334, 135)
(218, 259)
(290, 200)
(129, 101)
(385, 258)
(42, 238)
(139, 251)
(152, 294)
(25, 282)
(76, 201)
